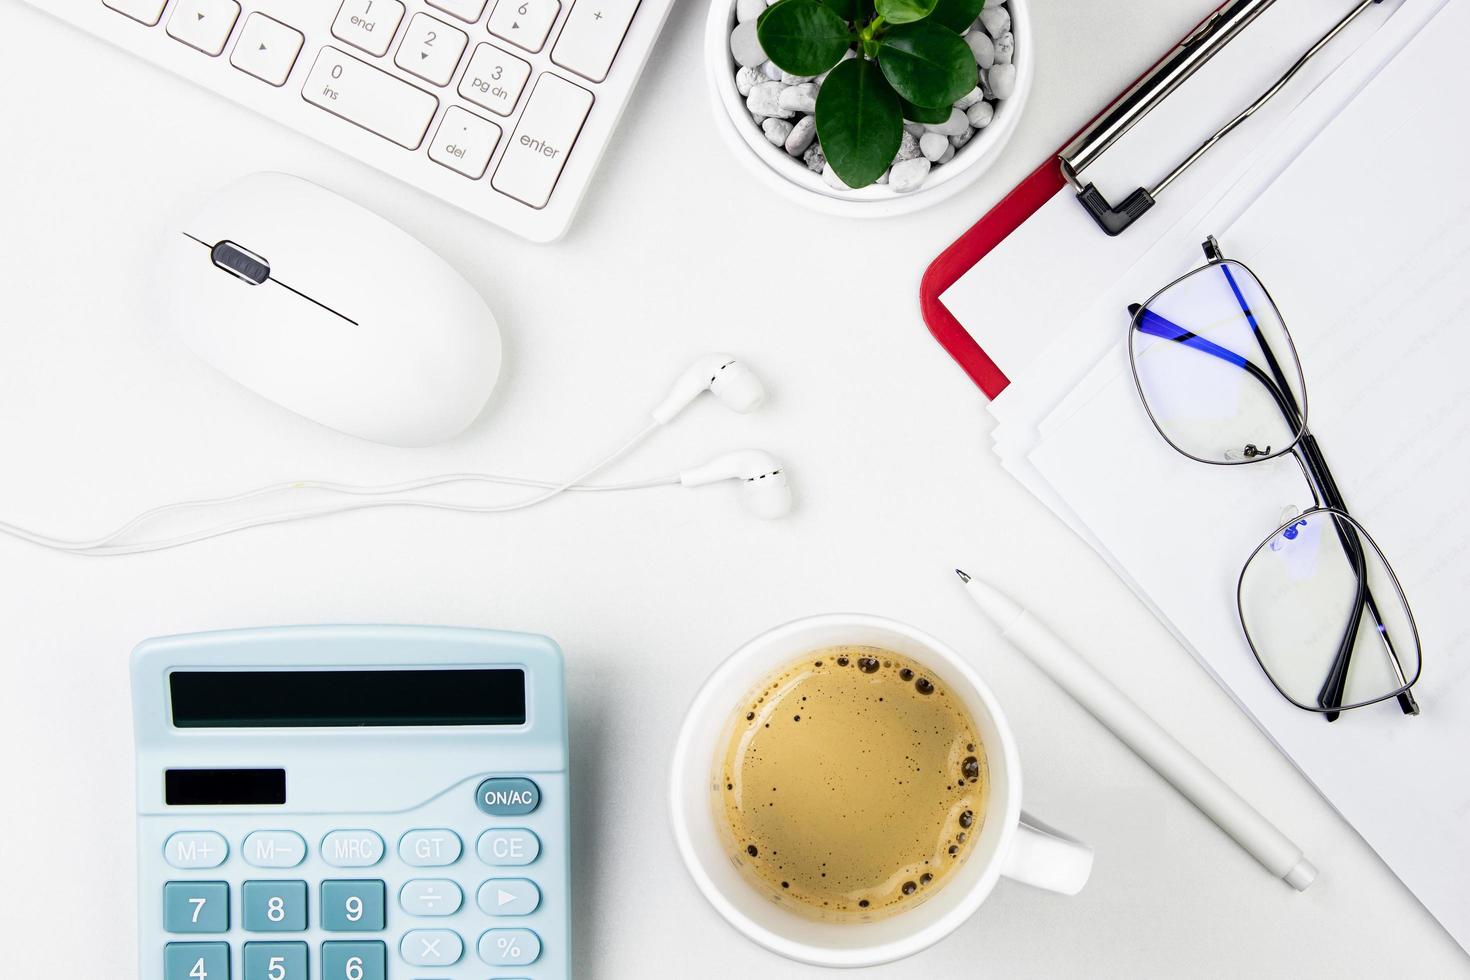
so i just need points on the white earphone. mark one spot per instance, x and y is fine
(766, 490)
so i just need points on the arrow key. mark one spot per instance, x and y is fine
(508, 896)
(431, 49)
(266, 49)
(204, 24)
(524, 23)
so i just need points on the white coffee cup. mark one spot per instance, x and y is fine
(1010, 843)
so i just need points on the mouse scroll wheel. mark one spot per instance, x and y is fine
(240, 263)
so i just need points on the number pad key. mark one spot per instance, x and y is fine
(431, 49)
(542, 140)
(353, 906)
(276, 961)
(593, 33)
(204, 24)
(273, 906)
(267, 49)
(431, 947)
(196, 961)
(524, 23)
(196, 906)
(368, 24)
(494, 79)
(354, 961)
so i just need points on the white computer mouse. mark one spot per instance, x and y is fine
(330, 311)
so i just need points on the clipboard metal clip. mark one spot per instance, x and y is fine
(1196, 50)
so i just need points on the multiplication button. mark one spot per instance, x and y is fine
(508, 847)
(431, 947)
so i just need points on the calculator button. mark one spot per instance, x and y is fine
(592, 35)
(514, 797)
(370, 98)
(204, 24)
(196, 906)
(538, 148)
(508, 896)
(353, 906)
(429, 848)
(273, 906)
(274, 849)
(196, 961)
(267, 49)
(143, 11)
(276, 961)
(509, 947)
(508, 847)
(468, 10)
(195, 849)
(430, 896)
(431, 947)
(368, 24)
(494, 79)
(524, 23)
(352, 848)
(354, 961)
(464, 142)
(430, 49)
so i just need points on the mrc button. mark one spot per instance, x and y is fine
(507, 796)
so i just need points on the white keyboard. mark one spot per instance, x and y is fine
(501, 107)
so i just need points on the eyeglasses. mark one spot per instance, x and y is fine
(1321, 607)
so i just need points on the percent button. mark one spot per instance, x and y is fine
(510, 947)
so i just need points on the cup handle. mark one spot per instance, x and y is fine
(1047, 858)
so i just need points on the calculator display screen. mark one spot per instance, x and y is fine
(347, 698)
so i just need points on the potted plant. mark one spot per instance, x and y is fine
(869, 106)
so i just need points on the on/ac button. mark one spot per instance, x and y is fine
(502, 796)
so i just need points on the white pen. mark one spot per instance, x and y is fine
(1191, 777)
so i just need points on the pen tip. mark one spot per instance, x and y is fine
(964, 576)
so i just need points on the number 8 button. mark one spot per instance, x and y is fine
(273, 906)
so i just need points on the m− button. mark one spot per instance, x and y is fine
(502, 796)
(274, 849)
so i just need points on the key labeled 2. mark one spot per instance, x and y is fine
(431, 49)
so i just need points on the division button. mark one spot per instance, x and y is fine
(430, 897)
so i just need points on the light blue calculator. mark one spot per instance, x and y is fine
(352, 803)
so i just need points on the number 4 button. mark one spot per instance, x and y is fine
(524, 23)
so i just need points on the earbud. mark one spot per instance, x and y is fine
(722, 375)
(767, 492)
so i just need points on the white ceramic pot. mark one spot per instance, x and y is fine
(788, 175)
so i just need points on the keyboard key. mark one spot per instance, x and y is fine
(429, 848)
(204, 24)
(494, 79)
(466, 10)
(514, 797)
(196, 961)
(196, 906)
(510, 847)
(354, 961)
(431, 947)
(431, 49)
(524, 23)
(276, 961)
(368, 24)
(464, 142)
(592, 35)
(430, 896)
(267, 49)
(510, 947)
(273, 906)
(528, 170)
(508, 896)
(353, 906)
(377, 102)
(195, 849)
(274, 849)
(143, 11)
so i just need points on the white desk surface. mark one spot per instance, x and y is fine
(677, 251)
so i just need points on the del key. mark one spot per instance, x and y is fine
(542, 140)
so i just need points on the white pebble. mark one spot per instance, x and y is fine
(982, 47)
(980, 114)
(765, 100)
(966, 100)
(814, 158)
(748, 9)
(953, 126)
(830, 178)
(933, 145)
(746, 79)
(907, 176)
(1005, 48)
(776, 131)
(963, 138)
(799, 98)
(801, 135)
(995, 20)
(947, 155)
(1002, 81)
(914, 129)
(908, 147)
(745, 46)
(770, 70)
(789, 79)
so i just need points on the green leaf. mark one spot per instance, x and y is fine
(859, 122)
(803, 37)
(903, 11)
(956, 14)
(853, 11)
(928, 65)
(923, 114)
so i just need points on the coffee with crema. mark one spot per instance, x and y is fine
(852, 784)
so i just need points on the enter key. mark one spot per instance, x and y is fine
(542, 140)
